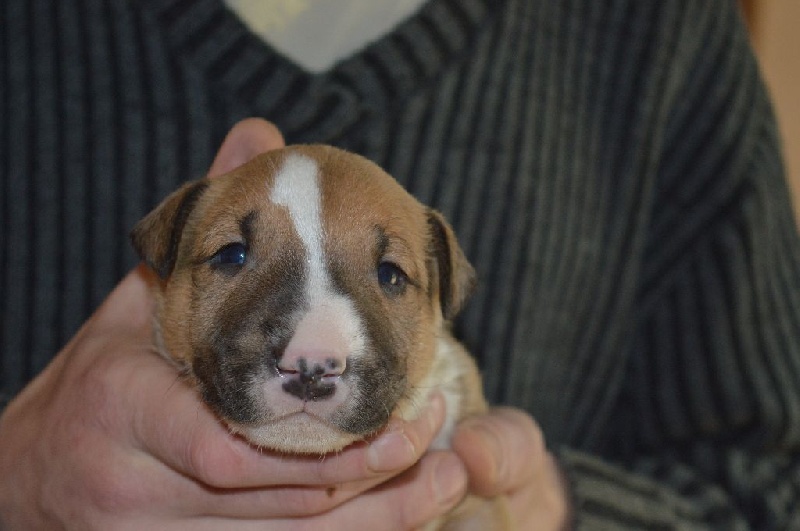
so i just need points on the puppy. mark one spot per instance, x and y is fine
(308, 297)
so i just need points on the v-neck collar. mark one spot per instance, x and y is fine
(239, 63)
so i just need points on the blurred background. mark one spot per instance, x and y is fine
(775, 30)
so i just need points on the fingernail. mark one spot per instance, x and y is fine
(390, 451)
(450, 479)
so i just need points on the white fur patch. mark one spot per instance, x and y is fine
(297, 188)
(444, 375)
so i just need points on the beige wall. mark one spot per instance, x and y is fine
(775, 26)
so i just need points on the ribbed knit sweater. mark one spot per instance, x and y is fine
(611, 168)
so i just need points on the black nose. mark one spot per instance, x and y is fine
(309, 383)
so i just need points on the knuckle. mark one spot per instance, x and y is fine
(205, 462)
(214, 461)
(111, 489)
(97, 380)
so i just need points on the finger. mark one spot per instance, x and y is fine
(306, 486)
(500, 450)
(245, 140)
(424, 492)
(410, 500)
(272, 502)
(428, 490)
(183, 433)
(543, 503)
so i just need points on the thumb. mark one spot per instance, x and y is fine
(248, 138)
(501, 450)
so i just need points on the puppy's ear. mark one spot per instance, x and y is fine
(455, 276)
(156, 236)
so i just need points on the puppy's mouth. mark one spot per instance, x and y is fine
(298, 432)
(303, 401)
(308, 413)
(302, 413)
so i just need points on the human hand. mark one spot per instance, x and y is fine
(504, 453)
(109, 437)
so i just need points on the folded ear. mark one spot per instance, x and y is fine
(156, 236)
(455, 276)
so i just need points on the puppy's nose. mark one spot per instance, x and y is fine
(313, 361)
(310, 376)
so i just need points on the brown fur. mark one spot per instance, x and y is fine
(205, 314)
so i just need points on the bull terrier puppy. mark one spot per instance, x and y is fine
(308, 297)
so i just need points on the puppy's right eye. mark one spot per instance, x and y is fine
(391, 278)
(230, 258)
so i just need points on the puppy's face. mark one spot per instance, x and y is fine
(303, 293)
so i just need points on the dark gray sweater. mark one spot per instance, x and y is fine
(612, 170)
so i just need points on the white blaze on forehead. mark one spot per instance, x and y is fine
(297, 188)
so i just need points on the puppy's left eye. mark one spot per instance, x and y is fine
(230, 258)
(391, 278)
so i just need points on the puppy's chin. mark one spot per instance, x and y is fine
(296, 434)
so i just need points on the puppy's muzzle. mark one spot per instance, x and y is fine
(309, 376)
(312, 367)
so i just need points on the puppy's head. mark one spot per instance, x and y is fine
(303, 293)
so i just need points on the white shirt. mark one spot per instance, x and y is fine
(316, 34)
